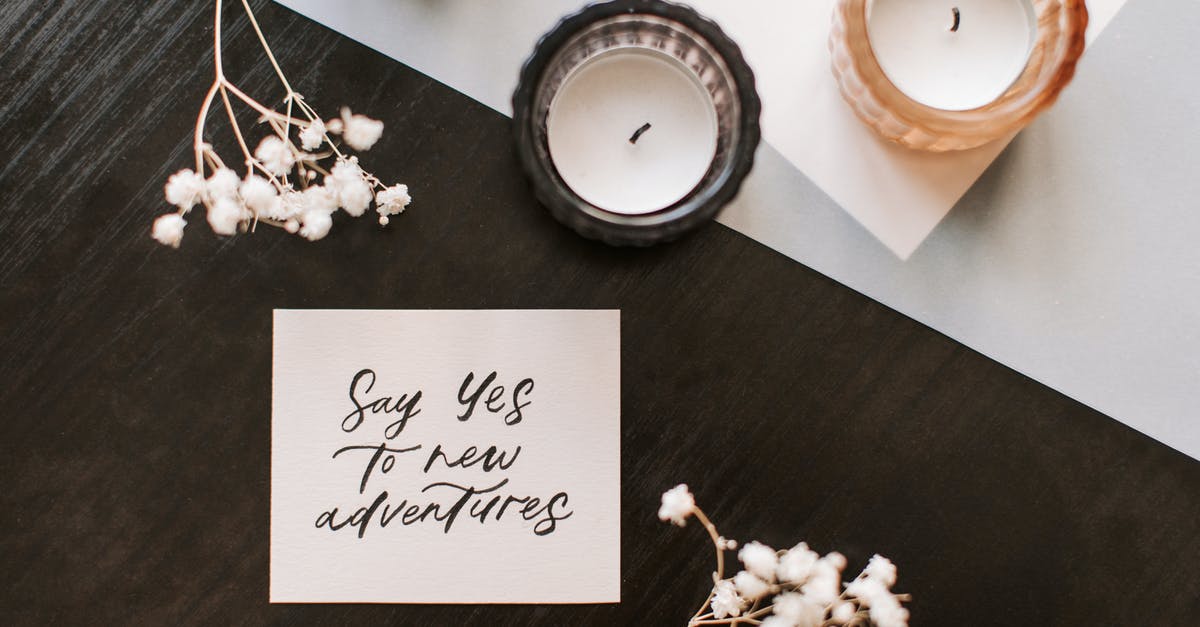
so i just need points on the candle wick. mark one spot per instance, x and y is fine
(957, 18)
(638, 133)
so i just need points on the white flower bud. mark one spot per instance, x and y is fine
(222, 184)
(392, 200)
(799, 609)
(313, 136)
(795, 565)
(183, 189)
(677, 504)
(316, 225)
(759, 559)
(360, 131)
(842, 613)
(168, 229)
(275, 155)
(725, 601)
(750, 587)
(881, 569)
(355, 197)
(259, 194)
(224, 216)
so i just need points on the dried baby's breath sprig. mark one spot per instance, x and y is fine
(279, 187)
(805, 588)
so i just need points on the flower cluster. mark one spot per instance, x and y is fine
(280, 186)
(795, 587)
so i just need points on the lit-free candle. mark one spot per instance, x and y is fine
(952, 54)
(632, 131)
(944, 75)
(636, 121)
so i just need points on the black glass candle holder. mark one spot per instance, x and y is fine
(652, 25)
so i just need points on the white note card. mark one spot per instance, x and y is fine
(446, 456)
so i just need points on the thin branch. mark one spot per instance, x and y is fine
(237, 131)
(270, 55)
(198, 136)
(267, 113)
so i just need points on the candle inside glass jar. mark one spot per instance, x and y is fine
(632, 131)
(952, 54)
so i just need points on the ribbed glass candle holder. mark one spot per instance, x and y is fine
(894, 115)
(660, 29)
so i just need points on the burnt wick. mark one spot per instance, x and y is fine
(638, 133)
(957, 19)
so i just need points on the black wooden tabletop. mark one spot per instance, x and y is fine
(135, 379)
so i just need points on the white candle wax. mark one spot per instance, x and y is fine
(599, 108)
(949, 69)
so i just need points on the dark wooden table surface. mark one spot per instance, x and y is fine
(135, 379)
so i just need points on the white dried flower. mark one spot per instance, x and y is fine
(222, 184)
(868, 591)
(726, 544)
(260, 195)
(183, 189)
(750, 587)
(842, 613)
(292, 204)
(887, 612)
(726, 601)
(360, 131)
(168, 229)
(319, 198)
(799, 609)
(759, 559)
(393, 200)
(224, 215)
(790, 604)
(269, 200)
(823, 584)
(313, 136)
(347, 179)
(346, 171)
(835, 559)
(796, 563)
(316, 225)
(355, 197)
(677, 504)
(276, 155)
(882, 569)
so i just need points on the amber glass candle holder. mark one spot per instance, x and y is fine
(894, 115)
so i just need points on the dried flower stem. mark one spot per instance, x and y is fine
(717, 545)
(266, 192)
(802, 585)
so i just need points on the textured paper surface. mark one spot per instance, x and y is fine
(348, 379)
(897, 194)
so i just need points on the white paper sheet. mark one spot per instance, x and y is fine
(897, 194)
(437, 515)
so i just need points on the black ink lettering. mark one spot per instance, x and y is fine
(547, 525)
(468, 493)
(406, 406)
(490, 459)
(473, 399)
(357, 415)
(379, 451)
(514, 415)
